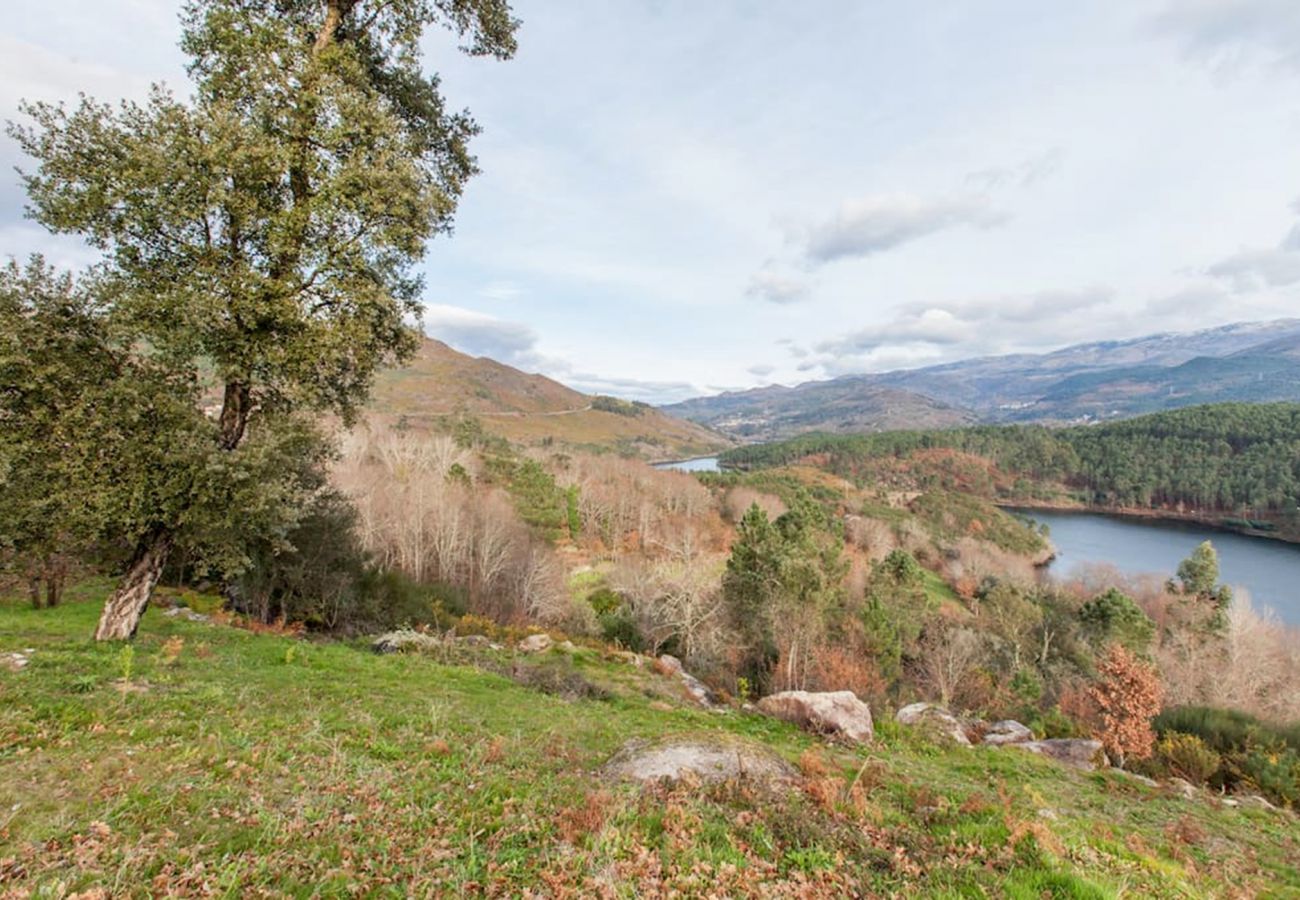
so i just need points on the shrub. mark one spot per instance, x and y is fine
(618, 626)
(1126, 697)
(1226, 730)
(1273, 771)
(1187, 756)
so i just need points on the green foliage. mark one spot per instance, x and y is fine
(777, 572)
(1198, 576)
(1254, 754)
(897, 604)
(1225, 730)
(618, 407)
(541, 503)
(1113, 616)
(1187, 756)
(1224, 457)
(950, 516)
(604, 600)
(1273, 771)
(262, 232)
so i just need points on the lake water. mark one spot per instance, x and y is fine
(700, 464)
(1269, 570)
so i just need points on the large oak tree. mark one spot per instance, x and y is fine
(263, 231)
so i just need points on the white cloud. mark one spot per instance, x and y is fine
(1229, 33)
(919, 334)
(777, 288)
(882, 222)
(479, 334)
(1270, 267)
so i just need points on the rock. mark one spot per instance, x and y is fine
(1077, 752)
(670, 665)
(15, 661)
(474, 640)
(832, 712)
(405, 641)
(1183, 788)
(697, 690)
(1254, 801)
(1008, 731)
(1140, 779)
(536, 643)
(935, 720)
(186, 613)
(703, 759)
(1230, 802)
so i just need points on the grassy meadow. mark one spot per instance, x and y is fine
(204, 759)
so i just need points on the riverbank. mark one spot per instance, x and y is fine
(1217, 522)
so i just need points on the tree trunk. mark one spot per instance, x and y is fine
(235, 407)
(123, 610)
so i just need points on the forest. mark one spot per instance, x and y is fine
(1235, 459)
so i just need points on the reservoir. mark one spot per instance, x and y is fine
(700, 464)
(1268, 570)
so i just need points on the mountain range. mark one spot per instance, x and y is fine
(1252, 361)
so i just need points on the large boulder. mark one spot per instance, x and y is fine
(536, 643)
(934, 720)
(1008, 731)
(1078, 752)
(838, 713)
(703, 759)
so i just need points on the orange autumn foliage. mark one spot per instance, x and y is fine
(1125, 697)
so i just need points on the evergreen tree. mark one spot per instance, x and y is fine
(266, 228)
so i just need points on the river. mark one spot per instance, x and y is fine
(1268, 570)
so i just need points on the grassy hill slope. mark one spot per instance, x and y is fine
(209, 760)
(529, 408)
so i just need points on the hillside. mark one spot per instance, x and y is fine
(204, 759)
(441, 383)
(1249, 362)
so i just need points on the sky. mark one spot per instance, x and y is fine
(680, 198)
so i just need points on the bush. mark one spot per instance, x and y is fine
(1187, 756)
(1273, 771)
(618, 626)
(1226, 730)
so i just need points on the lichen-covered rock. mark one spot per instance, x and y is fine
(1008, 731)
(536, 643)
(838, 713)
(1080, 753)
(669, 664)
(405, 641)
(935, 720)
(697, 690)
(699, 758)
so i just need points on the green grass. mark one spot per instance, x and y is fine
(262, 764)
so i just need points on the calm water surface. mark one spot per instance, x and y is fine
(1269, 570)
(700, 464)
